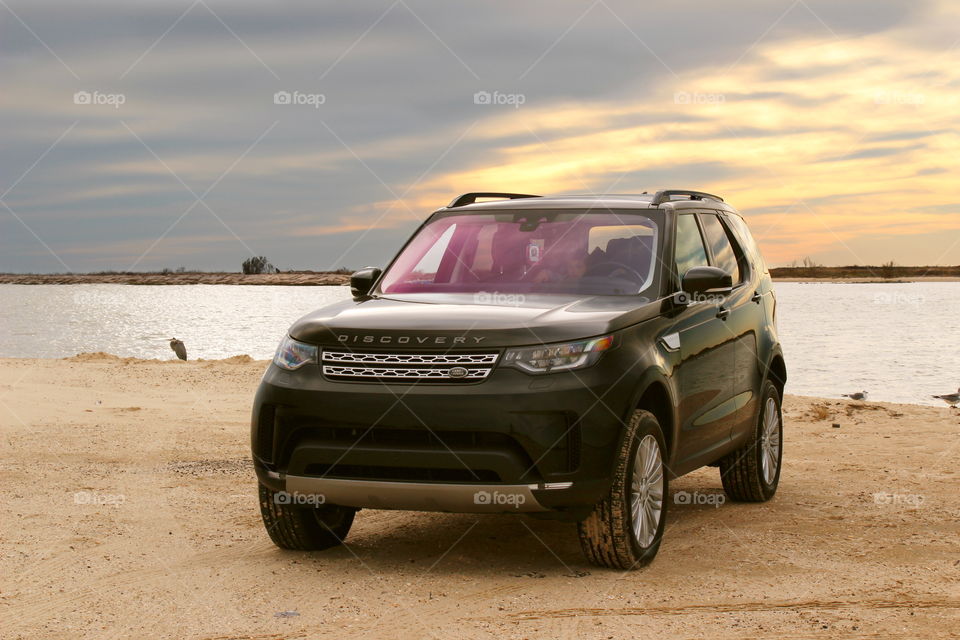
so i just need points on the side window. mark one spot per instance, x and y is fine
(690, 251)
(742, 232)
(723, 254)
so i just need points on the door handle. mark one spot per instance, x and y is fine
(722, 313)
(756, 297)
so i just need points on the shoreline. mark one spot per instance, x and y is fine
(859, 280)
(296, 279)
(335, 281)
(103, 358)
(326, 278)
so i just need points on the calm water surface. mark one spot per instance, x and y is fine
(898, 341)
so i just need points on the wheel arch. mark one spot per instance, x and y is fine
(655, 394)
(777, 372)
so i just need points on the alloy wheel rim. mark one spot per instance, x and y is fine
(646, 491)
(770, 442)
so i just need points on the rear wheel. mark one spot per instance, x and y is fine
(625, 528)
(303, 527)
(752, 473)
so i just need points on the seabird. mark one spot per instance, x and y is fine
(859, 395)
(950, 398)
(178, 348)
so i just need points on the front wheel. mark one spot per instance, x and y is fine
(752, 473)
(625, 528)
(303, 527)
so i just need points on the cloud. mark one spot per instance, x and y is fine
(874, 152)
(399, 133)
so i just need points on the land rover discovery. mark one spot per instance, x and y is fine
(563, 357)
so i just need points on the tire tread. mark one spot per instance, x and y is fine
(604, 534)
(740, 471)
(297, 528)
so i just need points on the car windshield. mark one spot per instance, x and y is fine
(594, 253)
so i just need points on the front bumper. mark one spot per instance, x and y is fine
(418, 496)
(532, 443)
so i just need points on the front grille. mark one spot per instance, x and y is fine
(332, 371)
(401, 438)
(408, 367)
(410, 358)
(312, 446)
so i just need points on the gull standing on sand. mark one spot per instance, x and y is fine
(950, 398)
(859, 395)
(178, 348)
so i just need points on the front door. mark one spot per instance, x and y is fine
(707, 360)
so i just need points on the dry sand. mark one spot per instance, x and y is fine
(129, 511)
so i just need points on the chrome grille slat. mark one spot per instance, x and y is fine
(405, 373)
(407, 367)
(409, 358)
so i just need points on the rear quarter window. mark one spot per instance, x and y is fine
(743, 235)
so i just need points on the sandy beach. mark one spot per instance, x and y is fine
(129, 511)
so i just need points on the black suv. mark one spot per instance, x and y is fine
(561, 356)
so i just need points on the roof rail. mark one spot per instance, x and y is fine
(470, 198)
(665, 196)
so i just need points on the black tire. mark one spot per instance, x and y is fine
(742, 472)
(300, 527)
(607, 535)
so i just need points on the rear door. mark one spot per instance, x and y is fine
(743, 315)
(748, 321)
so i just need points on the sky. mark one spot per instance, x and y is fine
(151, 135)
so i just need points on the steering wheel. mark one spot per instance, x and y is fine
(607, 268)
(532, 273)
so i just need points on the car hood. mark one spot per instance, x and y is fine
(460, 321)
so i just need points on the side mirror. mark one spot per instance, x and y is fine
(703, 279)
(362, 281)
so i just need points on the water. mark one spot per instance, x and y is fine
(898, 341)
(214, 321)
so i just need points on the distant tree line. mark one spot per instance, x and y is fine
(258, 264)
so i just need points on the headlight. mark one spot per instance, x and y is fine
(558, 357)
(293, 355)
